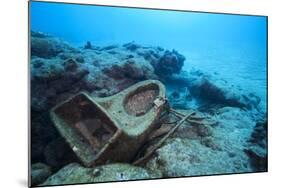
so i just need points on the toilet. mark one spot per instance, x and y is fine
(110, 129)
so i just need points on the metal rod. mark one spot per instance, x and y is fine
(163, 139)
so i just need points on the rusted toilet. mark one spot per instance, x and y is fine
(110, 129)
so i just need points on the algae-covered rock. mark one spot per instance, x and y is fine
(257, 150)
(171, 62)
(74, 173)
(39, 173)
(217, 148)
(209, 89)
(184, 157)
(46, 46)
(219, 91)
(129, 70)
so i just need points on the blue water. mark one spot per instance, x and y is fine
(233, 46)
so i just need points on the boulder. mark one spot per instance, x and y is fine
(129, 70)
(51, 77)
(213, 90)
(169, 63)
(39, 173)
(46, 46)
(257, 148)
(185, 157)
(132, 46)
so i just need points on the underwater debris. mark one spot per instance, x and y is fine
(156, 146)
(194, 149)
(167, 129)
(95, 131)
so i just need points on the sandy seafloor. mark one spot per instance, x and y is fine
(226, 87)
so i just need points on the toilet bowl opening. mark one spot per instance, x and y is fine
(85, 117)
(140, 101)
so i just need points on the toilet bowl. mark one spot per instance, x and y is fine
(110, 129)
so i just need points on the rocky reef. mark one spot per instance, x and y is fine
(235, 141)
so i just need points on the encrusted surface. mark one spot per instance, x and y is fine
(139, 103)
(85, 126)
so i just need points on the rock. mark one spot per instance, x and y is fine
(53, 78)
(42, 132)
(70, 65)
(218, 91)
(58, 154)
(88, 45)
(38, 34)
(128, 70)
(110, 47)
(193, 131)
(47, 47)
(74, 173)
(37, 63)
(63, 71)
(80, 59)
(209, 142)
(257, 148)
(39, 173)
(180, 98)
(130, 56)
(184, 157)
(170, 63)
(175, 95)
(131, 46)
(259, 134)
(49, 70)
(259, 162)
(115, 71)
